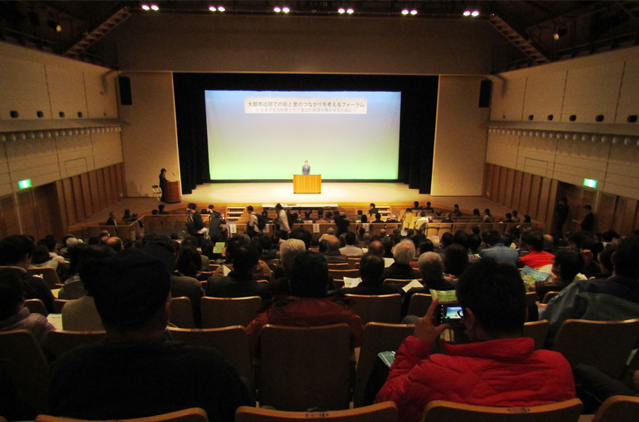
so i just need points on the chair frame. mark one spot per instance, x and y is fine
(379, 412)
(248, 308)
(194, 414)
(618, 409)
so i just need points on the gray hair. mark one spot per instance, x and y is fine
(289, 249)
(431, 265)
(404, 251)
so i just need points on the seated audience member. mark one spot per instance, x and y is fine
(595, 386)
(329, 232)
(321, 218)
(240, 281)
(127, 217)
(161, 210)
(371, 270)
(309, 305)
(136, 372)
(421, 222)
(361, 218)
(41, 258)
(111, 221)
(566, 268)
(488, 218)
(498, 368)
(456, 212)
(496, 250)
(342, 223)
(333, 254)
(189, 261)
(606, 299)
(403, 253)
(16, 251)
(81, 314)
(476, 215)
(115, 243)
(289, 249)
(350, 249)
(392, 219)
(537, 257)
(455, 261)
(429, 209)
(261, 272)
(73, 287)
(431, 267)
(13, 314)
(376, 247)
(515, 217)
(378, 218)
(303, 235)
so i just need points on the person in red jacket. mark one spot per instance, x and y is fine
(498, 367)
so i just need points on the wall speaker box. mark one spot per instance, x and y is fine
(485, 90)
(124, 84)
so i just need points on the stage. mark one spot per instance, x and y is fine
(360, 195)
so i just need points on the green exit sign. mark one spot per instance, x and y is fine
(23, 184)
(591, 183)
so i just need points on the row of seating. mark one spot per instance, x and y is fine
(614, 409)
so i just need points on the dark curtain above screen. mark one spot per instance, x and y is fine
(417, 120)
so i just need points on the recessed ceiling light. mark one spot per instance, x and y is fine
(212, 8)
(405, 12)
(221, 9)
(475, 13)
(414, 12)
(350, 11)
(341, 10)
(277, 9)
(286, 9)
(145, 7)
(155, 7)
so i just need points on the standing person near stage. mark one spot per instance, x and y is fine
(282, 219)
(306, 168)
(252, 226)
(163, 184)
(561, 215)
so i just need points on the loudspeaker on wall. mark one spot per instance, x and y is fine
(485, 90)
(124, 85)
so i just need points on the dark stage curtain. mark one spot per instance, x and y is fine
(417, 120)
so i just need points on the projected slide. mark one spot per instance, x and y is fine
(267, 135)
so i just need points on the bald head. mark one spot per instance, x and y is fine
(332, 244)
(376, 248)
(115, 243)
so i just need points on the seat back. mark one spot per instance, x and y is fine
(223, 312)
(194, 414)
(341, 273)
(61, 341)
(339, 266)
(419, 303)
(305, 367)
(182, 312)
(537, 330)
(49, 275)
(618, 409)
(445, 411)
(231, 342)
(605, 345)
(380, 412)
(376, 308)
(36, 306)
(25, 364)
(58, 304)
(377, 338)
(549, 295)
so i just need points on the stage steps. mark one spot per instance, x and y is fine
(234, 213)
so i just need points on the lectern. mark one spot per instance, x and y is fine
(172, 194)
(307, 183)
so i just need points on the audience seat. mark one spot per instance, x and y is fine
(21, 358)
(339, 266)
(380, 412)
(378, 337)
(445, 411)
(615, 409)
(231, 342)
(376, 308)
(223, 312)
(58, 304)
(36, 306)
(182, 312)
(341, 273)
(605, 345)
(194, 414)
(49, 275)
(419, 303)
(305, 367)
(61, 341)
(538, 331)
(549, 295)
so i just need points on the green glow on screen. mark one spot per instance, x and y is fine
(591, 183)
(23, 184)
(272, 143)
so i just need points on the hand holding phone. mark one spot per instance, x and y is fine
(425, 329)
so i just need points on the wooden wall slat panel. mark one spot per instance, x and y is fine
(517, 190)
(544, 200)
(510, 181)
(27, 213)
(101, 191)
(115, 191)
(533, 205)
(503, 179)
(628, 219)
(95, 195)
(553, 198)
(72, 215)
(106, 187)
(86, 194)
(605, 212)
(121, 182)
(62, 206)
(9, 221)
(494, 188)
(488, 179)
(78, 203)
(525, 193)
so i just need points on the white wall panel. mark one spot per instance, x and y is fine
(67, 92)
(508, 98)
(106, 149)
(24, 89)
(544, 96)
(502, 150)
(629, 98)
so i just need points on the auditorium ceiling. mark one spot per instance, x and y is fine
(541, 31)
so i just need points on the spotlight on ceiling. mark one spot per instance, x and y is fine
(277, 9)
(467, 13)
(221, 8)
(474, 13)
(286, 9)
(155, 7)
(413, 12)
(350, 10)
(145, 7)
(341, 10)
(560, 33)
(212, 8)
(405, 12)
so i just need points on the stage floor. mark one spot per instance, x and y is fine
(352, 194)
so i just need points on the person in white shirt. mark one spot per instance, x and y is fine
(251, 227)
(282, 219)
